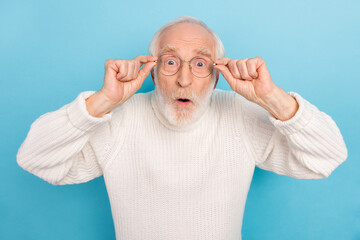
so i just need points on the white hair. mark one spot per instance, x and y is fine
(219, 47)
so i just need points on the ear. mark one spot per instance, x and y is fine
(217, 78)
(152, 75)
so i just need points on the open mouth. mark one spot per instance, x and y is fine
(183, 101)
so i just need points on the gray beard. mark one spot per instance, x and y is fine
(182, 116)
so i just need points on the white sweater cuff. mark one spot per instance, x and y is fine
(80, 117)
(301, 118)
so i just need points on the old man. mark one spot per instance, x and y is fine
(178, 161)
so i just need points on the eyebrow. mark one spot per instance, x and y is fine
(167, 48)
(204, 51)
(171, 48)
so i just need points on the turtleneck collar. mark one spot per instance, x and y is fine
(160, 115)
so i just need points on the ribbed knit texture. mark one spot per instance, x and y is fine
(180, 184)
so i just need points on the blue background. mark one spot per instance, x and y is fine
(52, 50)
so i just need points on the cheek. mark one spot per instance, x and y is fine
(204, 88)
(166, 85)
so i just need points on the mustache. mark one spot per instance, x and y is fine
(185, 94)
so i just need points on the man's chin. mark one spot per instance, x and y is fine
(183, 119)
(181, 114)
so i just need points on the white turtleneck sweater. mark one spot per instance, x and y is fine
(180, 184)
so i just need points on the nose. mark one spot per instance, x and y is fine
(185, 77)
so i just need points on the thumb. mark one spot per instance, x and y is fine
(227, 74)
(145, 70)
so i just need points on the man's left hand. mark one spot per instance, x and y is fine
(250, 78)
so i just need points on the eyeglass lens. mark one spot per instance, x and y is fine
(200, 66)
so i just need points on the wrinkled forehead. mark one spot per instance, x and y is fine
(186, 37)
(170, 48)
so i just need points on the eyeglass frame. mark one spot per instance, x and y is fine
(181, 64)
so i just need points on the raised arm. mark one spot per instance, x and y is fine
(70, 145)
(289, 135)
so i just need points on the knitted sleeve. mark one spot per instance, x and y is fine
(66, 146)
(307, 146)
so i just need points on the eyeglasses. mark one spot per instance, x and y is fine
(200, 66)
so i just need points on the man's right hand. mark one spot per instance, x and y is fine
(122, 79)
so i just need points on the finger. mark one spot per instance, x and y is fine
(130, 75)
(261, 68)
(251, 66)
(109, 64)
(243, 69)
(145, 58)
(227, 75)
(222, 61)
(122, 70)
(135, 70)
(111, 68)
(234, 69)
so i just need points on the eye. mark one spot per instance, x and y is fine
(170, 62)
(200, 64)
